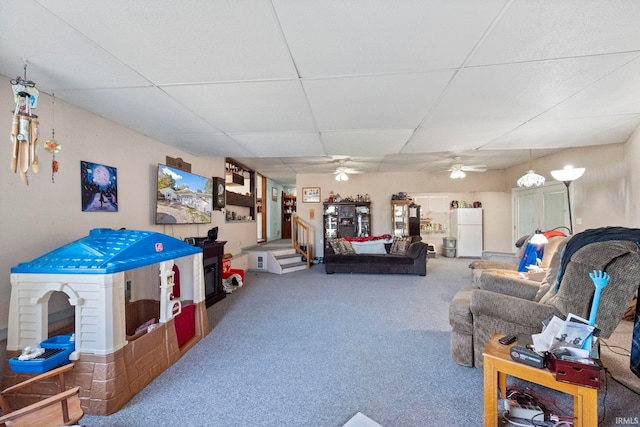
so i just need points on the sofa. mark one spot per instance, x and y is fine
(512, 305)
(386, 259)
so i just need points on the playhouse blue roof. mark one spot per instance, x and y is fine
(107, 251)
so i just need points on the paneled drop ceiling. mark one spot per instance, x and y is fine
(293, 86)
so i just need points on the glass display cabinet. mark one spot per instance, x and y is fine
(346, 219)
(405, 215)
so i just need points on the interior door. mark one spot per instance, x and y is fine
(542, 208)
(524, 205)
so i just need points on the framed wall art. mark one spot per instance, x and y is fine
(274, 194)
(99, 187)
(311, 194)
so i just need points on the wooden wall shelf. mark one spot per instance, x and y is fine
(237, 199)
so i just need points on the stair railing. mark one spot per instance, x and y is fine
(300, 238)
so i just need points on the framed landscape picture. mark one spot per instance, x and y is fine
(311, 194)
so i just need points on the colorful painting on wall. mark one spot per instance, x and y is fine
(99, 186)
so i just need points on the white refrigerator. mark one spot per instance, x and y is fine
(466, 227)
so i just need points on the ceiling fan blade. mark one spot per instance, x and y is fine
(474, 168)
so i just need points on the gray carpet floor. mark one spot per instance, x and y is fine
(310, 349)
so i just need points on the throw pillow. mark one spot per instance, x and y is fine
(341, 246)
(335, 245)
(400, 245)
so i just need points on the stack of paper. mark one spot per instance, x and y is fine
(572, 337)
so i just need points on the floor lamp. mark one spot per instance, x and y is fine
(568, 175)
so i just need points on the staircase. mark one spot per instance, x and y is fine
(283, 256)
(288, 260)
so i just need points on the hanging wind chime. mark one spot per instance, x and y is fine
(24, 128)
(52, 145)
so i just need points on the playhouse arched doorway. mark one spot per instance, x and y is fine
(61, 314)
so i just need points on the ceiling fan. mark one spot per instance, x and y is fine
(342, 172)
(458, 169)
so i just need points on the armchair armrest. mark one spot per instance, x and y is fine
(510, 309)
(509, 285)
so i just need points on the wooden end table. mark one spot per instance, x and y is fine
(498, 364)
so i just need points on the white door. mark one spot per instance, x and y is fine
(542, 208)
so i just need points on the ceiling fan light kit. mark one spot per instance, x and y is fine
(342, 176)
(458, 170)
(457, 174)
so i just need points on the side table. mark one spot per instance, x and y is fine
(498, 364)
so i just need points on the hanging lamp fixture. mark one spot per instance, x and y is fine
(531, 178)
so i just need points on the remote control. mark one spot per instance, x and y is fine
(507, 339)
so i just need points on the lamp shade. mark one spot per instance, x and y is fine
(569, 173)
(531, 179)
(538, 238)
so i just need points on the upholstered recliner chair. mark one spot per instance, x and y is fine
(510, 305)
(478, 267)
(499, 260)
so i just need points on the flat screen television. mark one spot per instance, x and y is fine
(182, 197)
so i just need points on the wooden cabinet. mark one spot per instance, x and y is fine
(288, 209)
(346, 219)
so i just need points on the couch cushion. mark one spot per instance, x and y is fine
(400, 245)
(368, 259)
(341, 246)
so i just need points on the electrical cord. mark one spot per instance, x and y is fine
(505, 417)
(624, 352)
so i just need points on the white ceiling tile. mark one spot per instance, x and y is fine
(336, 38)
(56, 55)
(196, 41)
(249, 106)
(518, 92)
(568, 133)
(205, 145)
(281, 144)
(393, 101)
(550, 29)
(372, 142)
(616, 93)
(464, 136)
(148, 110)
